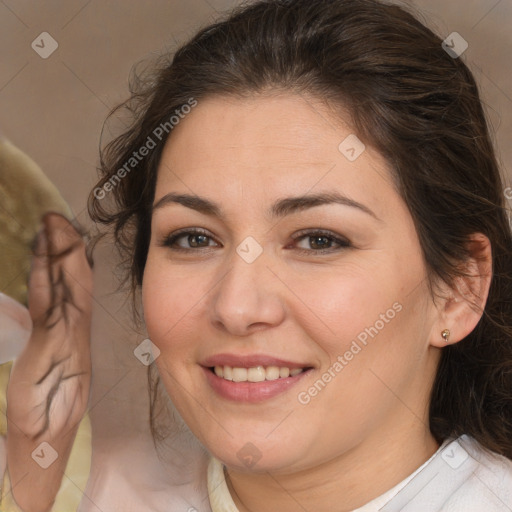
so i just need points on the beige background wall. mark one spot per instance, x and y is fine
(54, 108)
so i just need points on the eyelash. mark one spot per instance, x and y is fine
(169, 240)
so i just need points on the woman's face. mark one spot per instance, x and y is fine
(295, 252)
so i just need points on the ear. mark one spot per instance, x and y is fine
(463, 305)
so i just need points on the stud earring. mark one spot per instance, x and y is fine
(446, 335)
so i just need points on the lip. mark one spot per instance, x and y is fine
(250, 361)
(251, 392)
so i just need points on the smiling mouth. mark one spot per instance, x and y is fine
(255, 373)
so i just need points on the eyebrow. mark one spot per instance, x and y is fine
(280, 208)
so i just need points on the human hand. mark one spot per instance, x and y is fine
(49, 383)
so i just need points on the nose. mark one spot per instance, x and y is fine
(248, 298)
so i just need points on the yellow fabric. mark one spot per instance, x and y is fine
(25, 195)
(77, 469)
(75, 476)
(218, 492)
(5, 370)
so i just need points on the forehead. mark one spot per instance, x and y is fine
(266, 144)
(290, 125)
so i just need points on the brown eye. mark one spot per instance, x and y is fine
(320, 242)
(197, 240)
(193, 239)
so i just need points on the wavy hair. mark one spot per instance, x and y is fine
(409, 99)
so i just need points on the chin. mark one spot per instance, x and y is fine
(258, 455)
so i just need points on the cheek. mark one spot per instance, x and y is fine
(367, 320)
(342, 302)
(168, 302)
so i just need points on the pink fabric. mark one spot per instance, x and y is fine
(15, 328)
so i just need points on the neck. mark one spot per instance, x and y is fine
(343, 483)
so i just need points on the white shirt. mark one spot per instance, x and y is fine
(460, 477)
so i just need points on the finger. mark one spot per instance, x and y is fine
(39, 285)
(70, 268)
(61, 275)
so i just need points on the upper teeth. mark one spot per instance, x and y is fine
(256, 374)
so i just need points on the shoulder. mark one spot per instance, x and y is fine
(463, 476)
(493, 472)
(484, 480)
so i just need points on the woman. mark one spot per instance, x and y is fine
(317, 225)
(309, 208)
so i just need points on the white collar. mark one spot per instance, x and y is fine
(221, 500)
(218, 492)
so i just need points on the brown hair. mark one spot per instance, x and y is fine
(409, 99)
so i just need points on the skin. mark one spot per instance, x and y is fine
(49, 383)
(368, 428)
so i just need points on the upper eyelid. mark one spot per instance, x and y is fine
(313, 231)
(176, 235)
